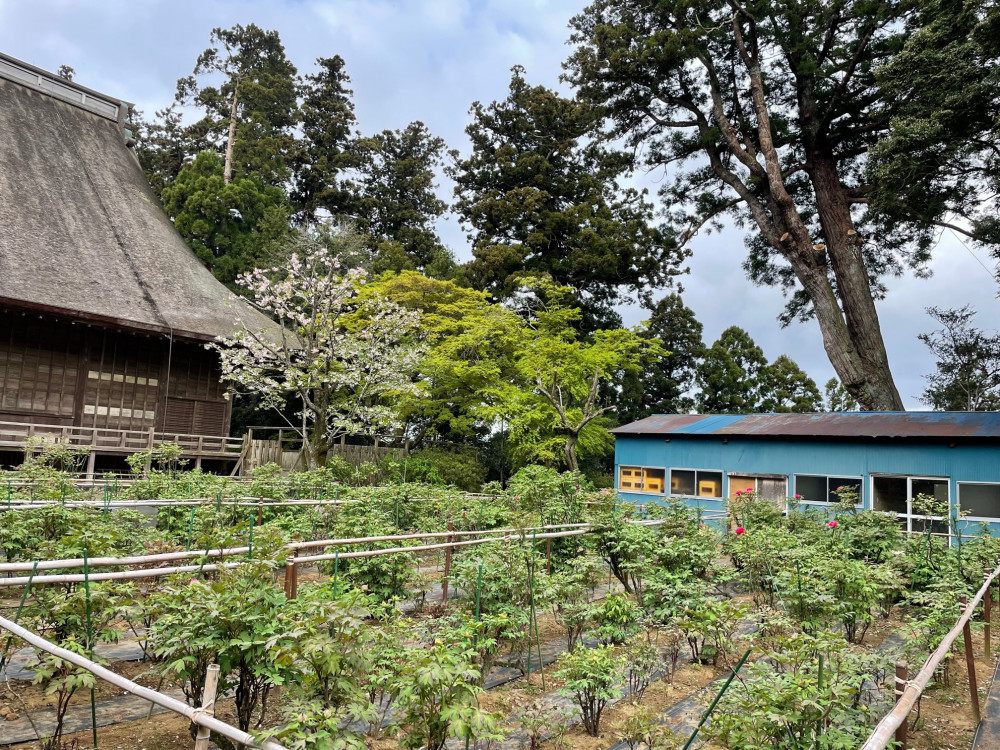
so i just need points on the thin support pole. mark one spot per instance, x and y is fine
(90, 643)
(207, 705)
(987, 613)
(534, 613)
(548, 555)
(901, 676)
(708, 712)
(191, 527)
(970, 662)
(447, 568)
(250, 540)
(336, 569)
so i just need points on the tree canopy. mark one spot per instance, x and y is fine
(766, 113)
(540, 196)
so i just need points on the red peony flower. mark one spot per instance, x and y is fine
(739, 531)
(798, 497)
(832, 524)
(739, 492)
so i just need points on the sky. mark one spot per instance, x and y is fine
(429, 60)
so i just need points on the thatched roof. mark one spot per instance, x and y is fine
(81, 232)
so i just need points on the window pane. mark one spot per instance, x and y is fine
(811, 488)
(936, 488)
(709, 484)
(630, 478)
(846, 483)
(889, 494)
(681, 482)
(980, 500)
(653, 480)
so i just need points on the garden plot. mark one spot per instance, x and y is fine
(639, 618)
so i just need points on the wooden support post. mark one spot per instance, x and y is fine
(901, 677)
(291, 579)
(260, 511)
(447, 568)
(207, 704)
(970, 662)
(987, 614)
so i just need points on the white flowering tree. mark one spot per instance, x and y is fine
(344, 358)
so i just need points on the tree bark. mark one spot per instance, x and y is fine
(227, 171)
(570, 448)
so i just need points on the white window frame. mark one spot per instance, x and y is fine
(828, 477)
(722, 484)
(642, 467)
(909, 516)
(958, 500)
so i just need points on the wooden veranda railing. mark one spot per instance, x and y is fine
(16, 434)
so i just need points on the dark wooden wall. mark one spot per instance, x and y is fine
(55, 371)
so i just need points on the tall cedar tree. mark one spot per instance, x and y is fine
(732, 376)
(788, 389)
(967, 371)
(766, 111)
(398, 205)
(663, 383)
(542, 199)
(229, 201)
(836, 397)
(327, 113)
(941, 157)
(247, 89)
(230, 226)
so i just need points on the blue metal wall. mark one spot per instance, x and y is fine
(963, 463)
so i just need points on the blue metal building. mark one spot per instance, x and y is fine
(890, 457)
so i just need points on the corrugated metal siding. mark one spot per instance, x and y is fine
(964, 463)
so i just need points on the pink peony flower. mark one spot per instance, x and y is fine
(798, 497)
(739, 531)
(749, 489)
(701, 525)
(832, 524)
(840, 488)
(739, 492)
(193, 580)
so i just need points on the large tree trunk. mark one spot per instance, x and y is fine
(570, 448)
(227, 170)
(876, 389)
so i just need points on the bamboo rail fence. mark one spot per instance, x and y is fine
(892, 726)
(197, 716)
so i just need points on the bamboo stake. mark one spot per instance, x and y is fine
(207, 705)
(970, 660)
(195, 715)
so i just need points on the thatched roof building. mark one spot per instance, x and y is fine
(104, 310)
(82, 232)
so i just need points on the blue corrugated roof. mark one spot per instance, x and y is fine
(926, 424)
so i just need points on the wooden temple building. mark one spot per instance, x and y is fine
(104, 310)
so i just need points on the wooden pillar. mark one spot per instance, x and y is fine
(291, 579)
(207, 704)
(91, 463)
(447, 568)
(901, 677)
(970, 662)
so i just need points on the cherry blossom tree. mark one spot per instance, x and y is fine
(342, 356)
